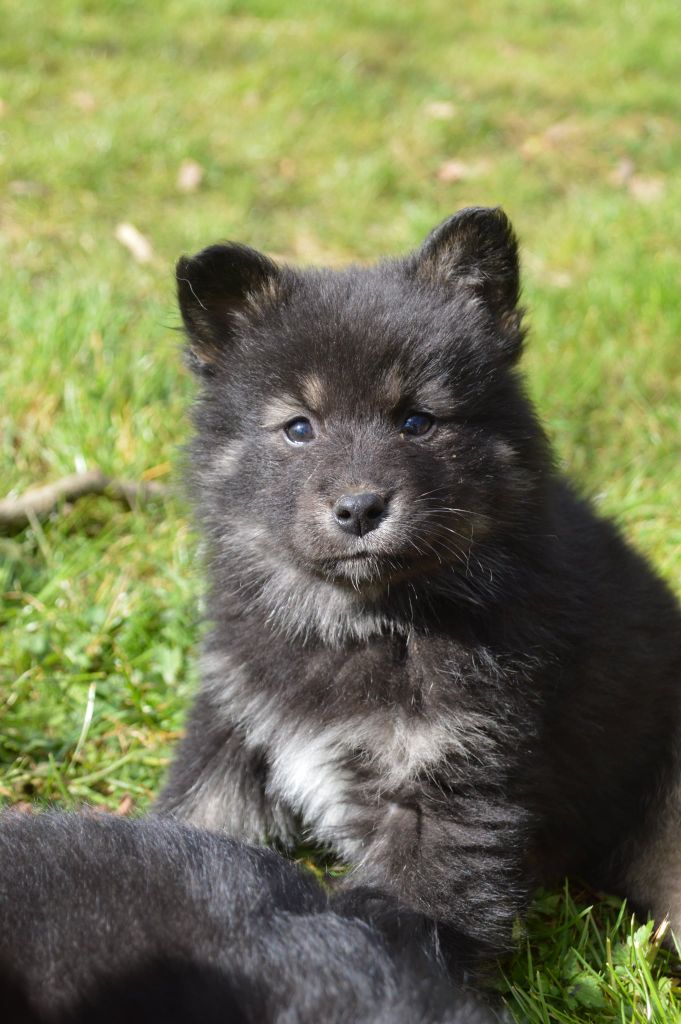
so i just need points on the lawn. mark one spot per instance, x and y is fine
(318, 131)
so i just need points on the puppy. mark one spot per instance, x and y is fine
(111, 920)
(425, 649)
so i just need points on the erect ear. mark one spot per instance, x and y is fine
(212, 287)
(476, 250)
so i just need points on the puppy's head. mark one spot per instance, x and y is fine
(366, 426)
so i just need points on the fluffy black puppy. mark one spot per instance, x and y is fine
(152, 922)
(424, 646)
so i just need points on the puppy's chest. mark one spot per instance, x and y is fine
(332, 774)
(359, 732)
(366, 716)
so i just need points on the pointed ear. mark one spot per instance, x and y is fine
(212, 288)
(476, 250)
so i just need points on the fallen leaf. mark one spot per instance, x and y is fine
(189, 176)
(21, 807)
(125, 806)
(456, 170)
(558, 278)
(556, 136)
(452, 170)
(307, 247)
(439, 110)
(560, 131)
(287, 168)
(85, 101)
(645, 190)
(134, 241)
(26, 188)
(623, 172)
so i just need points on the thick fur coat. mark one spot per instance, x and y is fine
(425, 650)
(111, 921)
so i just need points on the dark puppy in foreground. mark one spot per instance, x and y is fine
(425, 647)
(152, 922)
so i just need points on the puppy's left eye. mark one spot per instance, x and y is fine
(417, 424)
(300, 430)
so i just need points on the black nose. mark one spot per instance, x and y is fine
(359, 513)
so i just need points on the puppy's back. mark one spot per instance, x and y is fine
(110, 919)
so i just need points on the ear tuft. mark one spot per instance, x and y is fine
(213, 287)
(476, 250)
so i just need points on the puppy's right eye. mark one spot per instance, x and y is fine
(299, 431)
(417, 424)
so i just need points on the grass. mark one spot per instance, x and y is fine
(590, 963)
(325, 132)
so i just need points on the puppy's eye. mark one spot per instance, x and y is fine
(300, 430)
(417, 424)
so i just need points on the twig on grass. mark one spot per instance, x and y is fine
(39, 502)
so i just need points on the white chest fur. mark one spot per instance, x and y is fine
(314, 767)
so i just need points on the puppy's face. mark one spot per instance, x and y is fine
(363, 427)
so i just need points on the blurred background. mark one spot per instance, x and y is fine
(321, 132)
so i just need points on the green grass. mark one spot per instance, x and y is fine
(590, 963)
(321, 129)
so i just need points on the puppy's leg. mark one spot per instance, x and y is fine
(465, 869)
(219, 783)
(653, 872)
